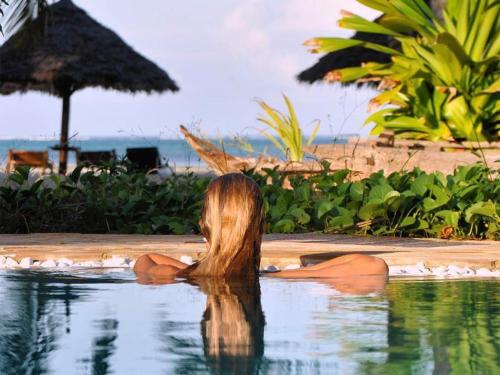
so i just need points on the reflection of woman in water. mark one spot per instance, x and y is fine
(232, 327)
(232, 223)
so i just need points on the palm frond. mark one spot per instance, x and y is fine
(289, 137)
(15, 13)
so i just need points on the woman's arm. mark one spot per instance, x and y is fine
(158, 264)
(343, 266)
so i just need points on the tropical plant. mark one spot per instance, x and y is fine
(287, 128)
(110, 199)
(17, 12)
(116, 200)
(444, 83)
(415, 204)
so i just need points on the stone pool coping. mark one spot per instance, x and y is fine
(281, 250)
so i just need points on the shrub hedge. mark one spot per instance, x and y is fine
(114, 200)
(417, 204)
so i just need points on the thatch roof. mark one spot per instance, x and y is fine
(356, 56)
(75, 52)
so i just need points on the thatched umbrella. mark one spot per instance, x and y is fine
(356, 56)
(350, 57)
(74, 52)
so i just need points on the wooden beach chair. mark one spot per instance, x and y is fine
(35, 159)
(94, 158)
(144, 158)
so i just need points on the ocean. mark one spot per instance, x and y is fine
(174, 152)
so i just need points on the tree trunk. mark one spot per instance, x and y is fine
(63, 151)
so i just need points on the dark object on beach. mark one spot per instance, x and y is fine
(36, 159)
(356, 56)
(95, 157)
(144, 158)
(74, 52)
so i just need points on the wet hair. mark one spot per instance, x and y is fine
(232, 222)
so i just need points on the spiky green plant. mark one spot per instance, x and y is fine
(445, 82)
(15, 13)
(289, 137)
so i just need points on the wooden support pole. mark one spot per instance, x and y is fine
(63, 152)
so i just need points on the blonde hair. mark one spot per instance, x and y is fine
(232, 222)
(232, 327)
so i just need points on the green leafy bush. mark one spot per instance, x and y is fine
(463, 205)
(444, 83)
(113, 200)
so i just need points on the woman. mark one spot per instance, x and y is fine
(232, 223)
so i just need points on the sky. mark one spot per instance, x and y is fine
(223, 55)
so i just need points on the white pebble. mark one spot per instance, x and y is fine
(114, 262)
(468, 272)
(421, 266)
(89, 264)
(36, 264)
(485, 272)
(440, 271)
(131, 264)
(48, 264)
(272, 268)
(26, 263)
(423, 269)
(64, 262)
(455, 270)
(186, 259)
(2, 261)
(396, 270)
(292, 267)
(412, 270)
(11, 263)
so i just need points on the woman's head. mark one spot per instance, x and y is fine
(232, 223)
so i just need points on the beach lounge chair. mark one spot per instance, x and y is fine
(144, 158)
(36, 159)
(94, 158)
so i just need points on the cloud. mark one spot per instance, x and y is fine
(269, 34)
(320, 16)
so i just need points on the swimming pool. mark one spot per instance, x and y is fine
(104, 322)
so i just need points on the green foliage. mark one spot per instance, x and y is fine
(286, 126)
(111, 200)
(447, 323)
(463, 205)
(3, 4)
(445, 82)
(18, 12)
(114, 200)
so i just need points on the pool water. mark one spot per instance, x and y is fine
(105, 322)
